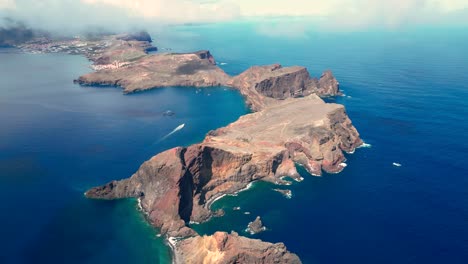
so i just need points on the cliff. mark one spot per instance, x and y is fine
(231, 248)
(264, 85)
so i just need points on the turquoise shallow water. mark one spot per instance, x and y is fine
(406, 94)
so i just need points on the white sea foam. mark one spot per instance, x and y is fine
(172, 241)
(365, 145)
(342, 164)
(216, 199)
(223, 63)
(396, 164)
(139, 204)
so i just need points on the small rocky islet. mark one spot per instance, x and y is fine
(255, 226)
(290, 124)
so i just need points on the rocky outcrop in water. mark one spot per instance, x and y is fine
(223, 248)
(256, 226)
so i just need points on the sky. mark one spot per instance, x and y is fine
(337, 15)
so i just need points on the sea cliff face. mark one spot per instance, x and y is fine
(263, 85)
(226, 248)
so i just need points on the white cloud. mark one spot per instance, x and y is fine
(175, 11)
(7, 4)
(326, 15)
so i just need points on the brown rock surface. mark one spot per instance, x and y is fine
(161, 70)
(261, 85)
(222, 247)
(256, 226)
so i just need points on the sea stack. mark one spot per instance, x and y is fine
(256, 226)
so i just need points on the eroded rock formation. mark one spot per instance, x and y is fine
(256, 226)
(264, 85)
(226, 248)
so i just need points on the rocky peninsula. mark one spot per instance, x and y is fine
(290, 125)
(177, 186)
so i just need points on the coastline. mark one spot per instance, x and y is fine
(210, 202)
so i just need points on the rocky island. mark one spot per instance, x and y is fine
(290, 125)
(255, 226)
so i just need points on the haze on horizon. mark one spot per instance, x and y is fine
(332, 15)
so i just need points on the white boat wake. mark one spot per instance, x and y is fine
(172, 132)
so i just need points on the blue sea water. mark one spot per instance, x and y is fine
(58, 139)
(405, 92)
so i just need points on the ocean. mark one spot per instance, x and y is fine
(405, 92)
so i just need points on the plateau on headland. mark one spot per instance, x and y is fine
(260, 85)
